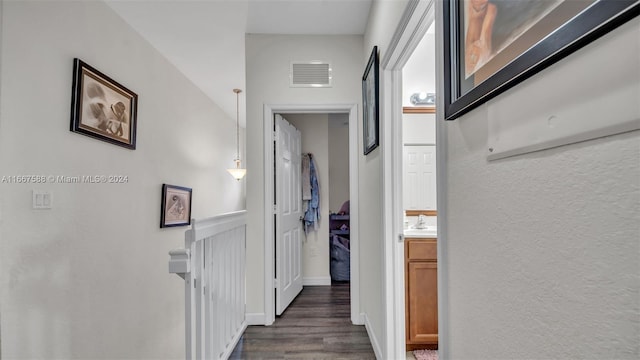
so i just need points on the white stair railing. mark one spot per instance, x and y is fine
(213, 267)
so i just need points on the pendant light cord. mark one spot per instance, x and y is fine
(237, 172)
(237, 91)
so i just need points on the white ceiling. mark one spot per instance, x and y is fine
(205, 38)
(328, 17)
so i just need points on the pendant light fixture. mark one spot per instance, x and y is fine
(237, 172)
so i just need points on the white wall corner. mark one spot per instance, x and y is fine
(372, 337)
(255, 319)
(316, 281)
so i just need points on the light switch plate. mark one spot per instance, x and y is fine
(42, 200)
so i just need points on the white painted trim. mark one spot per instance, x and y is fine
(414, 23)
(1, 47)
(373, 338)
(442, 200)
(269, 248)
(399, 288)
(234, 341)
(354, 210)
(204, 228)
(268, 114)
(316, 281)
(389, 246)
(254, 318)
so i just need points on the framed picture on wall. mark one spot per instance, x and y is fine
(102, 108)
(370, 103)
(492, 45)
(176, 206)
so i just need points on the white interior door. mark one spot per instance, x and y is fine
(288, 214)
(419, 178)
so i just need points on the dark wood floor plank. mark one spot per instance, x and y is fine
(316, 325)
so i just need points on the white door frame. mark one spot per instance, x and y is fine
(416, 19)
(269, 250)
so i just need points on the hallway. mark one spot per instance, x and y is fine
(315, 326)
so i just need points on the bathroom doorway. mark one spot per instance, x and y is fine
(419, 196)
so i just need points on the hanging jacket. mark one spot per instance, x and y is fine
(312, 214)
(306, 178)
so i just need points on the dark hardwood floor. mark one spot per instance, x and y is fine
(316, 325)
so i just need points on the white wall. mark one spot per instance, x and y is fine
(418, 129)
(268, 59)
(384, 17)
(383, 20)
(419, 73)
(542, 249)
(338, 160)
(89, 278)
(315, 249)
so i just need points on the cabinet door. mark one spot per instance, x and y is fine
(423, 302)
(419, 177)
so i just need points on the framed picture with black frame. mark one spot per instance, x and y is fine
(492, 45)
(176, 206)
(102, 108)
(370, 103)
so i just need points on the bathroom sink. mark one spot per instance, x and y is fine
(428, 231)
(426, 228)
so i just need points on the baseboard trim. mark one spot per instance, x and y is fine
(255, 318)
(372, 337)
(358, 320)
(234, 342)
(316, 281)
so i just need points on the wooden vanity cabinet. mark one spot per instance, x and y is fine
(421, 293)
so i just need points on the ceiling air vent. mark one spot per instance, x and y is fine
(310, 74)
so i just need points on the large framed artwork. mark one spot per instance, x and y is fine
(492, 45)
(101, 107)
(370, 103)
(176, 206)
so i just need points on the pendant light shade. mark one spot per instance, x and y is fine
(238, 172)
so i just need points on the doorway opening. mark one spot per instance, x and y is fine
(411, 29)
(326, 243)
(420, 196)
(316, 246)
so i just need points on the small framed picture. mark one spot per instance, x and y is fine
(370, 98)
(102, 108)
(176, 206)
